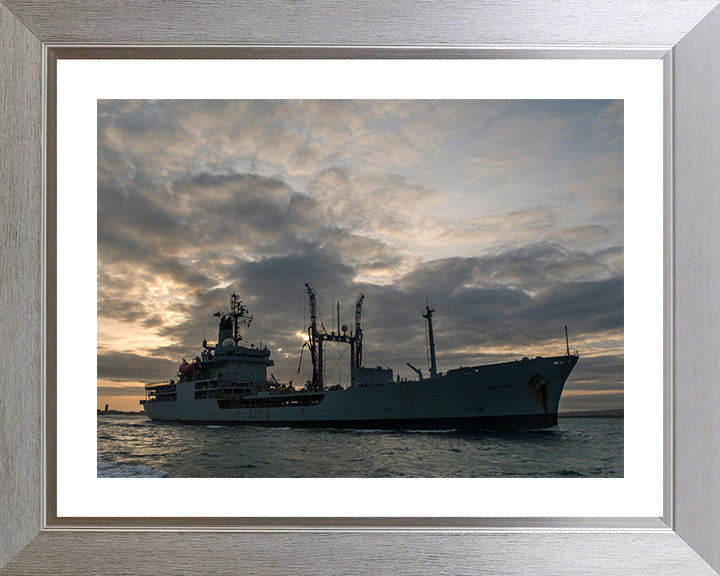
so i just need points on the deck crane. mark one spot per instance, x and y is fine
(315, 349)
(357, 356)
(318, 336)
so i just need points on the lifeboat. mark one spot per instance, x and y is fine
(186, 368)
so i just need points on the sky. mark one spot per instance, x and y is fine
(506, 216)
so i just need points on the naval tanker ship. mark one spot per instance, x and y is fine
(228, 384)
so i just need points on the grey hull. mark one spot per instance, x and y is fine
(519, 395)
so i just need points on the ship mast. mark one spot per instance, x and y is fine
(238, 315)
(567, 342)
(430, 341)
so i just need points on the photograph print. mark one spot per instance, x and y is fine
(360, 288)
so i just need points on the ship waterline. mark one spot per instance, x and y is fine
(228, 385)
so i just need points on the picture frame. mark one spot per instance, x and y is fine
(682, 34)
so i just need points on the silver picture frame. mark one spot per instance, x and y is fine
(684, 34)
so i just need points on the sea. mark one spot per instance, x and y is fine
(133, 446)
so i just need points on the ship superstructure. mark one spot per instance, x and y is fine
(228, 384)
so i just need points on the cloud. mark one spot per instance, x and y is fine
(132, 391)
(123, 366)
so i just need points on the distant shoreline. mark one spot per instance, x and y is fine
(593, 414)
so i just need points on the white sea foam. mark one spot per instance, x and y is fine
(116, 470)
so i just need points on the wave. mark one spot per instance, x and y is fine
(444, 431)
(117, 470)
(389, 431)
(123, 424)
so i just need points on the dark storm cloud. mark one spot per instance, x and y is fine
(480, 293)
(598, 373)
(112, 306)
(257, 213)
(274, 290)
(519, 291)
(136, 116)
(205, 213)
(579, 402)
(237, 214)
(271, 277)
(594, 306)
(132, 367)
(531, 267)
(134, 391)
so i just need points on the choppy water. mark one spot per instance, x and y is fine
(134, 446)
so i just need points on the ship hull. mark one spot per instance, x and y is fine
(515, 423)
(521, 395)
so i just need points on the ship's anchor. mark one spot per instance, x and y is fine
(538, 384)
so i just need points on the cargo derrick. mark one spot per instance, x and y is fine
(356, 356)
(317, 337)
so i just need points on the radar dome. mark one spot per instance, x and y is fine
(228, 342)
